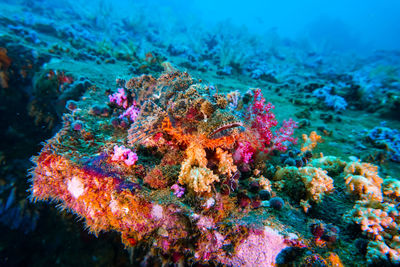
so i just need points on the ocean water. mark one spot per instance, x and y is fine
(199, 133)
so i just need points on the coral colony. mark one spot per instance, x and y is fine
(184, 171)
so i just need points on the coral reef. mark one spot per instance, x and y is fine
(188, 171)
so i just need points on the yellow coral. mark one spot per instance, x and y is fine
(367, 170)
(333, 260)
(265, 183)
(317, 182)
(199, 178)
(225, 165)
(305, 205)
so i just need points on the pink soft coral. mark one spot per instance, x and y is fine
(244, 152)
(262, 120)
(124, 154)
(132, 112)
(119, 98)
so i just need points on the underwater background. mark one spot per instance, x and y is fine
(199, 133)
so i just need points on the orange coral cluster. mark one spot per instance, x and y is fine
(194, 171)
(199, 177)
(317, 183)
(311, 141)
(185, 138)
(225, 165)
(98, 198)
(363, 180)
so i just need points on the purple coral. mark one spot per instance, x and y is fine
(178, 190)
(336, 102)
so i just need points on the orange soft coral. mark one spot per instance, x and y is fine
(311, 141)
(225, 165)
(103, 201)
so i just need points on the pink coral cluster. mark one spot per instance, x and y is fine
(132, 112)
(244, 152)
(261, 117)
(119, 98)
(263, 120)
(124, 154)
(284, 135)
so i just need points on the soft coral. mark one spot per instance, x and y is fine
(262, 120)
